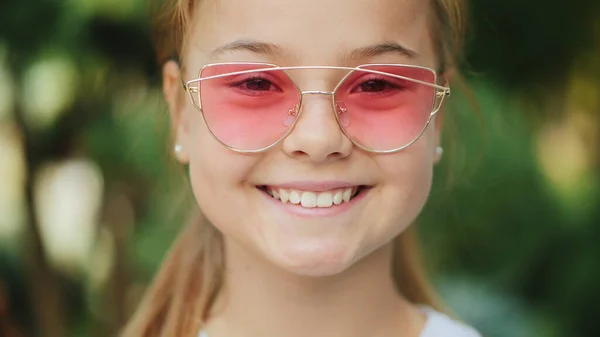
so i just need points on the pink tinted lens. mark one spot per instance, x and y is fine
(248, 111)
(383, 112)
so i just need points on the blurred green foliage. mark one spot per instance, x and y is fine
(509, 231)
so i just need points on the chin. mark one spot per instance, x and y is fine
(314, 260)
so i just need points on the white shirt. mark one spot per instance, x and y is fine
(440, 325)
(437, 325)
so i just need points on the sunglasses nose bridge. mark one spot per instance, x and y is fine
(317, 92)
(337, 109)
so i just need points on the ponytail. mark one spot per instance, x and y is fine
(184, 288)
(409, 272)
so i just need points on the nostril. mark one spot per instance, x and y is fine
(335, 155)
(316, 157)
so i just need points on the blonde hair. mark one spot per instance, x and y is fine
(183, 291)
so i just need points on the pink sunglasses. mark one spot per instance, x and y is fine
(251, 107)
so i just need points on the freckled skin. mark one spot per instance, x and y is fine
(315, 32)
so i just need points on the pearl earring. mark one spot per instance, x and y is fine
(439, 151)
(178, 148)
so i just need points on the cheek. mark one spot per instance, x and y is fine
(410, 174)
(408, 178)
(218, 176)
(412, 183)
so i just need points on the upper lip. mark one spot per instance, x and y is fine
(314, 186)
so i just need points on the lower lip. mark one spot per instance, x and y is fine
(300, 211)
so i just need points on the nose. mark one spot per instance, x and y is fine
(317, 136)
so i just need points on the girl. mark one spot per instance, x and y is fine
(310, 133)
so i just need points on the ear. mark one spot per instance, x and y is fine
(172, 91)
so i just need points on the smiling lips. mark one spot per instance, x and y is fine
(310, 199)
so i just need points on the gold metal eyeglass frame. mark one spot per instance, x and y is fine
(441, 93)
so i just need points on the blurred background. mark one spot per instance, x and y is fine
(90, 199)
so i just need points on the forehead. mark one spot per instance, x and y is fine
(328, 32)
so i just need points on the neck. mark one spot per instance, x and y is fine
(259, 299)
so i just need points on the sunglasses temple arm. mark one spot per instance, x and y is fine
(187, 88)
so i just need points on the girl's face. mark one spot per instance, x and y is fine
(316, 162)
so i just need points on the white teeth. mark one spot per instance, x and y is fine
(309, 200)
(325, 200)
(347, 194)
(295, 197)
(284, 196)
(337, 197)
(313, 199)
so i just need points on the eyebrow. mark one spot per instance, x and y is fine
(252, 46)
(381, 49)
(271, 49)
